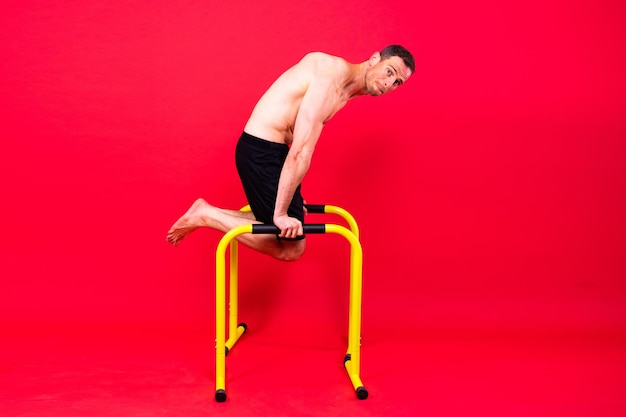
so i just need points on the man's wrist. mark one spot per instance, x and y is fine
(276, 214)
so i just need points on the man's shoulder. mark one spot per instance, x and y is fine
(322, 57)
(321, 62)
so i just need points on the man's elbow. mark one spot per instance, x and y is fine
(300, 159)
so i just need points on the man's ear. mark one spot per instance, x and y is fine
(374, 59)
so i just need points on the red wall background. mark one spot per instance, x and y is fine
(489, 189)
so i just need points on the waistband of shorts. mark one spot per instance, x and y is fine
(261, 143)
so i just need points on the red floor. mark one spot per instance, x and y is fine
(130, 371)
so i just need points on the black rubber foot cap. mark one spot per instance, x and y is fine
(361, 393)
(220, 395)
(245, 327)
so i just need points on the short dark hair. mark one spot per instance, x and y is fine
(401, 52)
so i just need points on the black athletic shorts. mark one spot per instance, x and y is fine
(259, 164)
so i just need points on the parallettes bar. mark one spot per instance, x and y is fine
(235, 331)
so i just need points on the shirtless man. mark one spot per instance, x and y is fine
(276, 147)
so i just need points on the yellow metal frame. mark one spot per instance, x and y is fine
(352, 361)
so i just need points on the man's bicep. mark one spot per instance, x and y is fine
(316, 108)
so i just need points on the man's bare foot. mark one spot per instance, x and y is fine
(190, 221)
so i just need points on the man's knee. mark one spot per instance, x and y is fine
(292, 250)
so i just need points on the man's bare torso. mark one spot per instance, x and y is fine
(274, 117)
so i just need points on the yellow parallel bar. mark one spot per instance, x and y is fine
(220, 301)
(233, 306)
(354, 328)
(354, 321)
(234, 337)
(234, 331)
(330, 209)
(356, 267)
(346, 216)
(354, 375)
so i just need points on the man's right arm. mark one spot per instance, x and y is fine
(318, 104)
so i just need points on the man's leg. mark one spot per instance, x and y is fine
(202, 214)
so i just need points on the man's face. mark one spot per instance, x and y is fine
(385, 76)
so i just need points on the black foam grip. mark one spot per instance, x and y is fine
(314, 228)
(316, 208)
(270, 229)
(265, 229)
